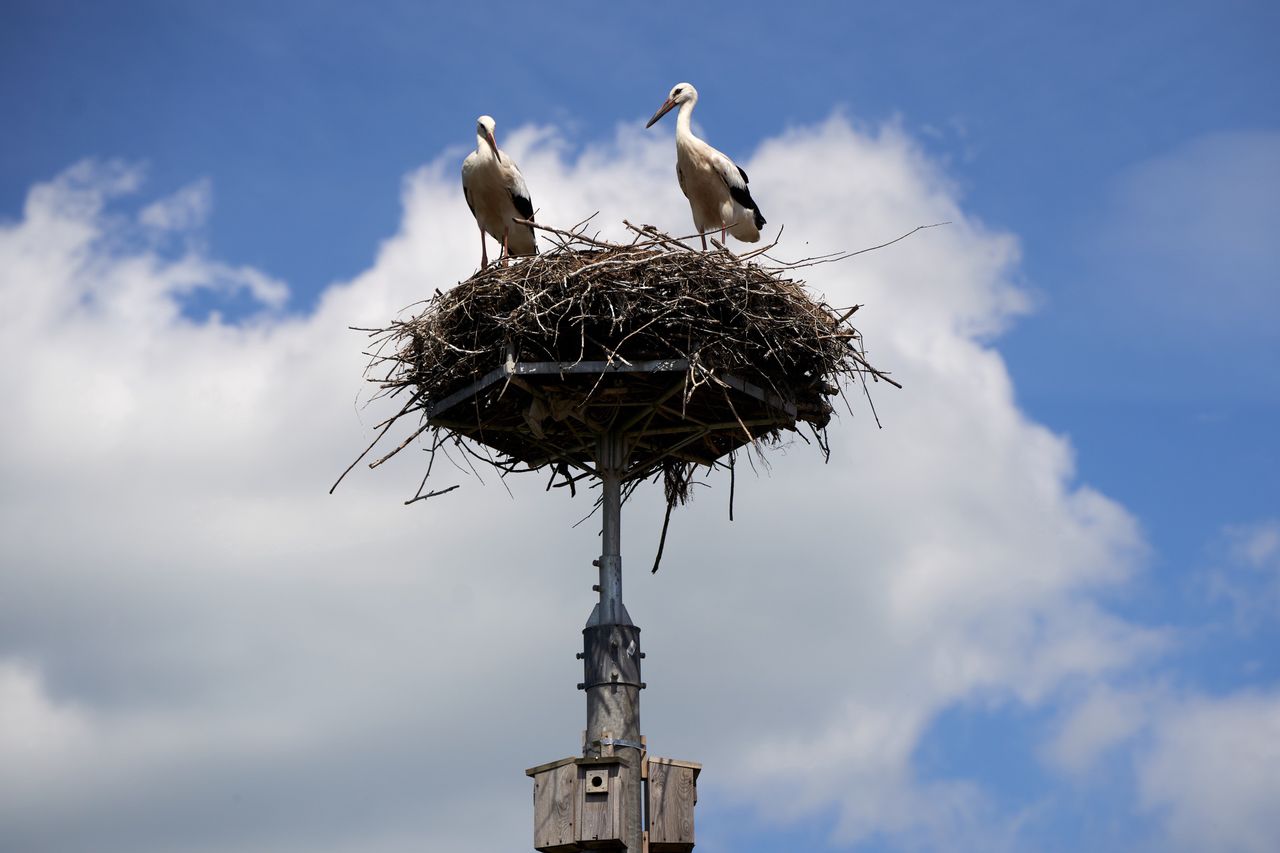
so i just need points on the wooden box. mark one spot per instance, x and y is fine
(554, 804)
(673, 792)
(577, 805)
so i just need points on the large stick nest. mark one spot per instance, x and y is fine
(693, 353)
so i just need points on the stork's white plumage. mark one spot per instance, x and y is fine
(715, 186)
(497, 195)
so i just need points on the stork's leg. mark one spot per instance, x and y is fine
(484, 252)
(704, 240)
(722, 237)
(505, 232)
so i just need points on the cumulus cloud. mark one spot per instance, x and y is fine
(271, 667)
(1213, 773)
(1207, 767)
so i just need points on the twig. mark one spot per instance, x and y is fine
(662, 540)
(432, 494)
(837, 256)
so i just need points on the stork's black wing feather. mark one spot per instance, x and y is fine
(467, 195)
(523, 204)
(738, 191)
(742, 196)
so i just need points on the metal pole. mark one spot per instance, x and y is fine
(612, 459)
(611, 653)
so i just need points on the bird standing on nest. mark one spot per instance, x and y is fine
(715, 186)
(497, 195)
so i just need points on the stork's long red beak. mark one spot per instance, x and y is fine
(662, 110)
(493, 143)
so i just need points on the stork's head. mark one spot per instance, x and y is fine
(681, 93)
(484, 131)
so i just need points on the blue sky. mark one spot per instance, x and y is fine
(1129, 153)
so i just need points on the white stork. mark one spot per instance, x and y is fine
(715, 186)
(496, 193)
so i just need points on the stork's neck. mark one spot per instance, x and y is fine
(683, 118)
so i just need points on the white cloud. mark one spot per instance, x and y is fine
(186, 209)
(1257, 545)
(32, 727)
(229, 634)
(1103, 720)
(1213, 773)
(1248, 573)
(1207, 768)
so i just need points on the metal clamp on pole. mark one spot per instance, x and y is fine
(617, 741)
(640, 685)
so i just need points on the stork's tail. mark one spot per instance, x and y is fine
(742, 197)
(521, 240)
(748, 225)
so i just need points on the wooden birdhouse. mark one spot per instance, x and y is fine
(673, 792)
(554, 788)
(577, 805)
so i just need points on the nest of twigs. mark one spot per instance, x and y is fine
(693, 353)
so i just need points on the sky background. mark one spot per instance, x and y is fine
(1038, 610)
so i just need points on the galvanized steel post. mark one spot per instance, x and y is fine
(611, 650)
(611, 455)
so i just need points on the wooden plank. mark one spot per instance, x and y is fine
(542, 768)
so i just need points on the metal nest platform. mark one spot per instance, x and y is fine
(683, 355)
(544, 413)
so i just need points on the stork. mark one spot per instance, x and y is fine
(715, 186)
(497, 195)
